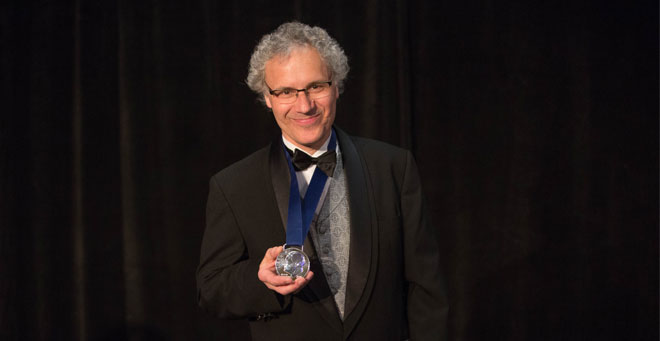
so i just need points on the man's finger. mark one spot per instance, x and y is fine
(273, 252)
(276, 280)
(294, 287)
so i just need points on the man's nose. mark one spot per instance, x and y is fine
(303, 103)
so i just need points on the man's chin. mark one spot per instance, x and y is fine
(310, 142)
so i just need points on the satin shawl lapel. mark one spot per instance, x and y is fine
(364, 239)
(279, 173)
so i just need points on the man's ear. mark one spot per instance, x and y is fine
(268, 103)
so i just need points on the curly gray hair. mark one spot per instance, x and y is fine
(291, 35)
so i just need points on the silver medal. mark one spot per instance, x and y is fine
(292, 262)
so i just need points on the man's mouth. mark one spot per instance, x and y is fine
(307, 120)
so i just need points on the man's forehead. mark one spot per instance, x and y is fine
(300, 64)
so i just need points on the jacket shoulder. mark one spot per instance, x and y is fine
(243, 170)
(378, 151)
(385, 163)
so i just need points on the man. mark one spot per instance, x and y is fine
(375, 272)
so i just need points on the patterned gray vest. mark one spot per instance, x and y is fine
(330, 232)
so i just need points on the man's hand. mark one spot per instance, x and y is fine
(283, 285)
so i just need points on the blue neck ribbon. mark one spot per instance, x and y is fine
(301, 211)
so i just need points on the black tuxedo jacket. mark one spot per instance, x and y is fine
(394, 288)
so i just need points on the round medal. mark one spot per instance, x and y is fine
(292, 262)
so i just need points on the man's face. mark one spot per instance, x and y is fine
(306, 123)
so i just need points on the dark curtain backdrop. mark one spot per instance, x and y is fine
(535, 126)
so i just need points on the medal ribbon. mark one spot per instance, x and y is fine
(301, 211)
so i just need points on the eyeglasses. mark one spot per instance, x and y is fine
(313, 91)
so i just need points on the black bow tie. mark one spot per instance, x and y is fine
(326, 162)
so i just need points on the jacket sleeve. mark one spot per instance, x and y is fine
(427, 302)
(227, 282)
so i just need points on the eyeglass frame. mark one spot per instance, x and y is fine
(305, 90)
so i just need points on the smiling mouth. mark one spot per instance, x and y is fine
(307, 119)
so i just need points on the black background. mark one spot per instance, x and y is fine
(534, 124)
